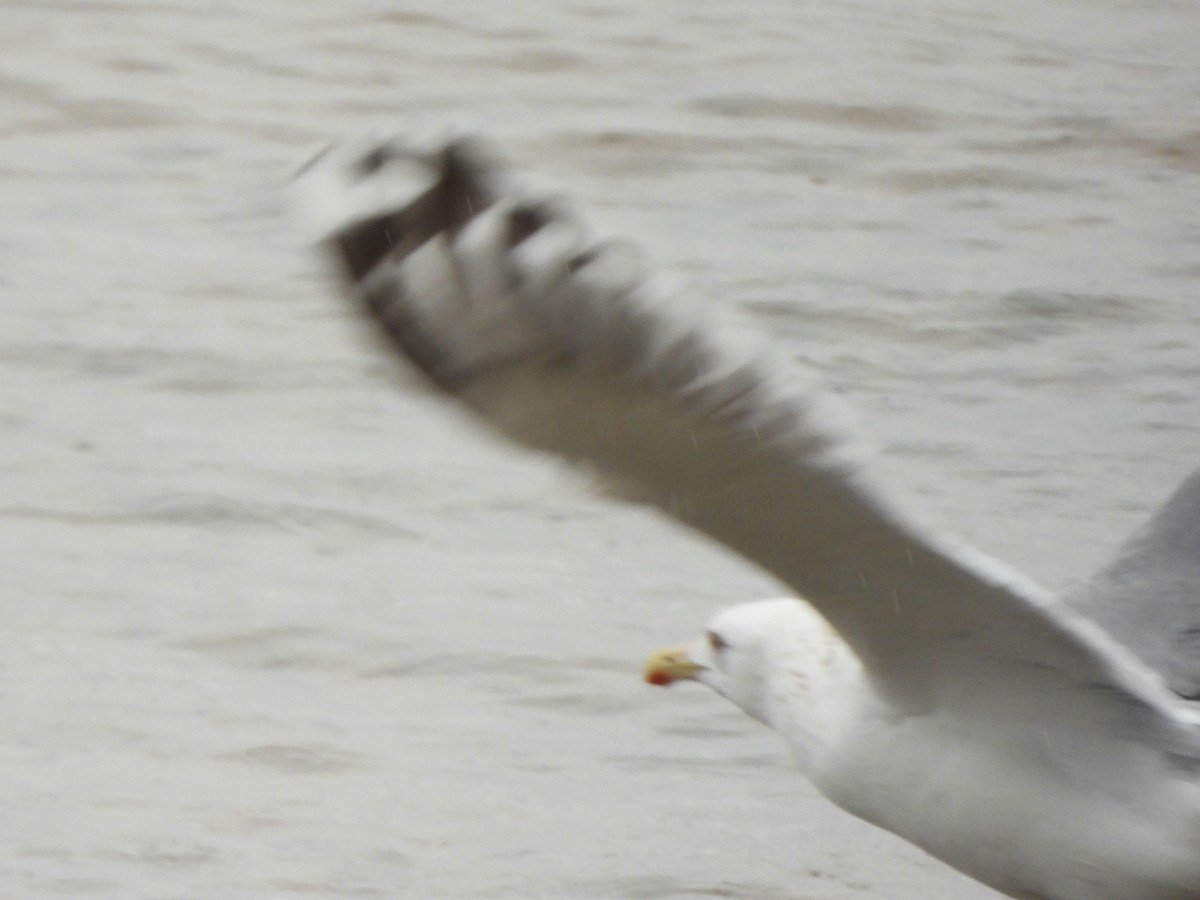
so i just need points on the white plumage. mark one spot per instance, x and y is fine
(937, 694)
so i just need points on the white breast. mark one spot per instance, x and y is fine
(1028, 818)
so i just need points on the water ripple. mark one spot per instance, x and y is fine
(302, 759)
(885, 117)
(216, 512)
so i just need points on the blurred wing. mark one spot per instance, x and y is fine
(564, 344)
(1148, 597)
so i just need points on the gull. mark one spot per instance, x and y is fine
(1047, 746)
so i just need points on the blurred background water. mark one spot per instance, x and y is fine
(276, 624)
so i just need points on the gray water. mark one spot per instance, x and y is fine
(276, 624)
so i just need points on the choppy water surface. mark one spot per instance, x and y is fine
(277, 625)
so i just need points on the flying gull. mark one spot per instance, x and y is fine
(1048, 747)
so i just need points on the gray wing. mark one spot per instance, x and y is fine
(565, 345)
(1148, 597)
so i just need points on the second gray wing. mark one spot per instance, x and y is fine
(1148, 596)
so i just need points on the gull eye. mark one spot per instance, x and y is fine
(717, 642)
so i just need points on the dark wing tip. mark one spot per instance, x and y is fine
(387, 200)
(462, 176)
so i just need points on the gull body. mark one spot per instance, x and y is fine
(1033, 818)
